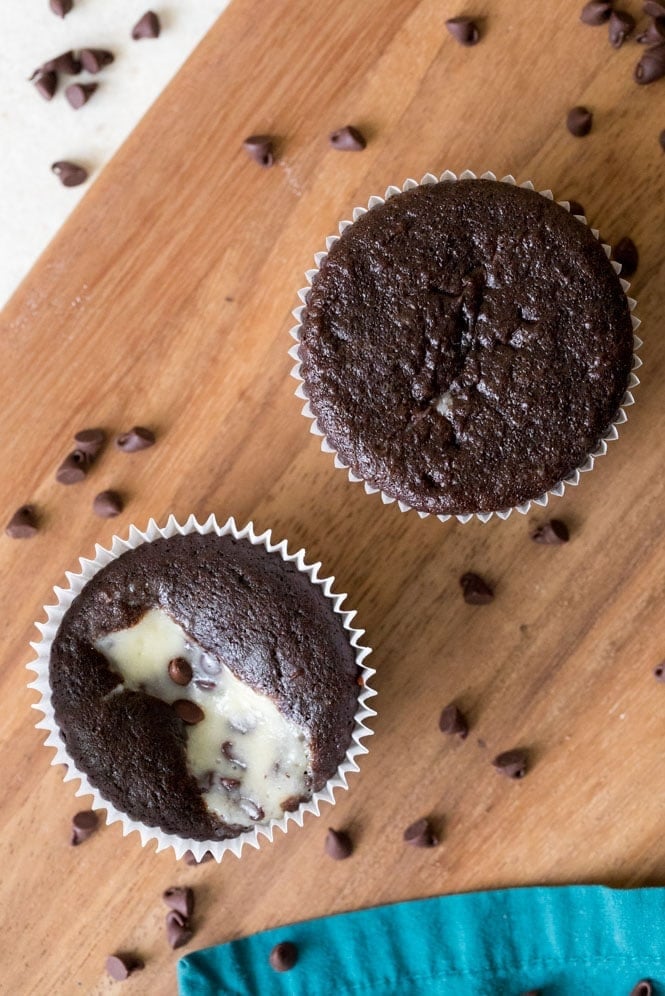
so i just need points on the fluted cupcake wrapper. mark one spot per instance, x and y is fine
(571, 479)
(40, 665)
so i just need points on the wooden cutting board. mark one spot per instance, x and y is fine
(166, 301)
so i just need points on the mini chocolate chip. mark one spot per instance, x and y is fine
(254, 811)
(292, 803)
(121, 966)
(621, 26)
(652, 8)
(651, 66)
(283, 956)
(512, 763)
(69, 174)
(576, 208)
(654, 34)
(73, 468)
(554, 532)
(79, 94)
(84, 824)
(23, 523)
(180, 671)
(90, 441)
(659, 672)
(61, 7)
(338, 845)
(188, 711)
(642, 988)
(260, 149)
(180, 898)
(230, 784)
(596, 12)
(66, 63)
(147, 26)
(348, 139)
(189, 858)
(138, 438)
(453, 721)
(227, 751)
(46, 83)
(625, 252)
(94, 60)
(464, 30)
(420, 834)
(474, 590)
(178, 931)
(205, 686)
(107, 504)
(579, 121)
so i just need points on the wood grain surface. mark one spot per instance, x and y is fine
(166, 301)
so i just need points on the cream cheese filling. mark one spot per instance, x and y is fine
(250, 761)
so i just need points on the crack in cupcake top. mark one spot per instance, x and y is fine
(465, 345)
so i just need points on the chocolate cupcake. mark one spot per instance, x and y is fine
(466, 346)
(203, 684)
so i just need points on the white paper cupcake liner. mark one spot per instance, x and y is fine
(573, 478)
(48, 630)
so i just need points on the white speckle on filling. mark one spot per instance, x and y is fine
(444, 403)
(248, 758)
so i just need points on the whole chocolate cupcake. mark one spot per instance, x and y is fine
(204, 685)
(465, 346)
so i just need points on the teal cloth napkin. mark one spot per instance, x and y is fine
(570, 940)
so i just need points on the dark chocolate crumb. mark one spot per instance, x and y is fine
(73, 468)
(651, 66)
(659, 672)
(474, 590)
(138, 438)
(180, 671)
(23, 523)
(348, 139)
(121, 966)
(178, 930)
(188, 711)
(420, 834)
(90, 441)
(260, 149)
(464, 30)
(61, 7)
(554, 532)
(147, 26)
(65, 63)
(596, 12)
(338, 845)
(453, 722)
(46, 83)
(512, 763)
(579, 121)
(642, 988)
(625, 252)
(84, 824)
(283, 956)
(107, 504)
(69, 174)
(94, 60)
(180, 898)
(79, 94)
(621, 26)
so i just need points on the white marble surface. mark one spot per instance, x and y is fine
(35, 133)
